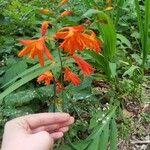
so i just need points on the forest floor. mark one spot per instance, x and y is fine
(139, 138)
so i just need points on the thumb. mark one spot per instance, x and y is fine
(42, 140)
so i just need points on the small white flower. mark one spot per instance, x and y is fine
(103, 115)
(104, 121)
(98, 108)
(107, 118)
(99, 119)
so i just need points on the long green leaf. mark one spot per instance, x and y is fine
(98, 130)
(75, 146)
(101, 63)
(104, 138)
(146, 31)
(108, 34)
(143, 28)
(94, 144)
(140, 23)
(22, 81)
(93, 141)
(32, 69)
(113, 135)
(21, 98)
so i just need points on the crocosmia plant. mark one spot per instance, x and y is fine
(70, 42)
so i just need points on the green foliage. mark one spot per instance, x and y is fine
(22, 81)
(144, 28)
(121, 68)
(106, 28)
(113, 135)
(119, 10)
(26, 96)
(99, 137)
(14, 70)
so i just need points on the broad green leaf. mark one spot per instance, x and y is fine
(137, 58)
(16, 112)
(90, 12)
(124, 40)
(84, 94)
(131, 70)
(25, 97)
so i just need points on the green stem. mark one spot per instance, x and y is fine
(61, 64)
(55, 96)
(61, 74)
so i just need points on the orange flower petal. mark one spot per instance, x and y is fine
(76, 39)
(32, 53)
(71, 77)
(36, 48)
(66, 13)
(23, 52)
(60, 35)
(86, 68)
(41, 58)
(27, 42)
(59, 87)
(45, 11)
(44, 27)
(46, 77)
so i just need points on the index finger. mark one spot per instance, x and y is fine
(42, 119)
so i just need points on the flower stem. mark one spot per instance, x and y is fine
(61, 74)
(54, 97)
(61, 64)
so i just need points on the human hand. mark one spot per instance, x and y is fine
(35, 132)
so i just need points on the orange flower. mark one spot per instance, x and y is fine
(75, 39)
(66, 13)
(84, 66)
(63, 2)
(45, 11)
(35, 48)
(44, 27)
(46, 77)
(70, 76)
(59, 87)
